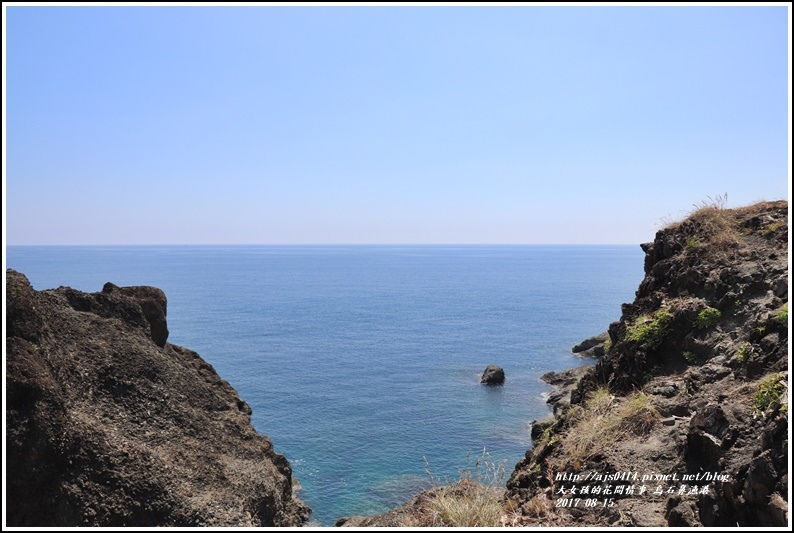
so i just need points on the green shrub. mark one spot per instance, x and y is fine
(744, 350)
(649, 331)
(782, 315)
(769, 392)
(546, 437)
(707, 318)
(773, 227)
(690, 357)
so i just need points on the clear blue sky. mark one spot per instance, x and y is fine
(130, 125)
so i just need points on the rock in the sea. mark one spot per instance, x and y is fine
(493, 375)
(110, 425)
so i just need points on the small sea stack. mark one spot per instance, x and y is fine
(493, 375)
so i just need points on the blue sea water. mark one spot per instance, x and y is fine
(360, 362)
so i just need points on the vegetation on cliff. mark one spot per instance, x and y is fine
(686, 409)
(702, 353)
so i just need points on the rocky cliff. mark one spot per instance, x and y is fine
(683, 421)
(108, 424)
(687, 410)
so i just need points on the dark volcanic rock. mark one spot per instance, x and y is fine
(493, 375)
(153, 304)
(565, 384)
(592, 347)
(109, 425)
(705, 348)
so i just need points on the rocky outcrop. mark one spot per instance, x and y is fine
(108, 424)
(493, 375)
(592, 347)
(409, 514)
(563, 382)
(691, 390)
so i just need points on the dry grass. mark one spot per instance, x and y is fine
(539, 511)
(760, 206)
(603, 421)
(711, 226)
(704, 208)
(474, 500)
(467, 504)
(637, 416)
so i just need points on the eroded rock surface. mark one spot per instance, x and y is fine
(493, 375)
(700, 357)
(108, 424)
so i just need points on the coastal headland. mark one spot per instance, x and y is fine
(108, 424)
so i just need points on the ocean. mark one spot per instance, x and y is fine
(362, 363)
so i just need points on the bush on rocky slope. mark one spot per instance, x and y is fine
(705, 343)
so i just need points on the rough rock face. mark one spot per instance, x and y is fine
(493, 375)
(694, 382)
(592, 347)
(564, 382)
(110, 425)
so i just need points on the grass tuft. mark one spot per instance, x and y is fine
(745, 349)
(769, 392)
(602, 421)
(690, 357)
(474, 500)
(718, 203)
(710, 226)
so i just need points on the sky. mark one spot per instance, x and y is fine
(387, 125)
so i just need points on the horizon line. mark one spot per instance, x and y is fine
(334, 244)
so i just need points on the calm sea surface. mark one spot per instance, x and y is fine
(361, 361)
